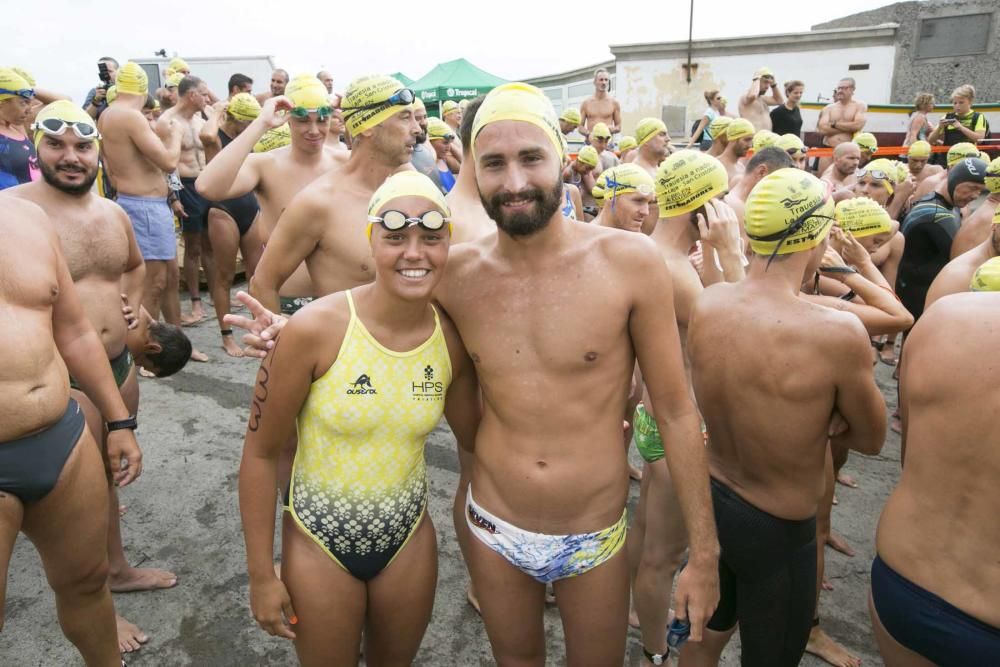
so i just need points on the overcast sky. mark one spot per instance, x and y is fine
(513, 39)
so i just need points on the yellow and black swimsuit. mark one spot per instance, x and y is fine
(359, 482)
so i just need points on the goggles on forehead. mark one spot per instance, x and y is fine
(877, 174)
(302, 113)
(55, 127)
(614, 186)
(796, 152)
(402, 97)
(26, 93)
(395, 220)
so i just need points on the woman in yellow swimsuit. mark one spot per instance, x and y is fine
(364, 376)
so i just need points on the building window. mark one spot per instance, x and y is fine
(581, 89)
(858, 68)
(954, 36)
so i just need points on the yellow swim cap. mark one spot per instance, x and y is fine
(762, 72)
(419, 104)
(621, 180)
(588, 156)
(919, 149)
(764, 138)
(24, 74)
(407, 184)
(601, 131)
(960, 151)
(686, 180)
(571, 116)
(993, 178)
(178, 65)
(987, 277)
(449, 106)
(132, 80)
(111, 95)
(463, 103)
(438, 130)
(718, 127)
(788, 211)
(627, 143)
(366, 102)
(866, 141)
(174, 80)
(881, 170)
(984, 156)
(519, 102)
(11, 80)
(739, 128)
(66, 111)
(306, 91)
(244, 107)
(902, 171)
(791, 143)
(862, 217)
(647, 129)
(274, 138)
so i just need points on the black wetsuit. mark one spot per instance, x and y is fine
(767, 580)
(242, 209)
(929, 228)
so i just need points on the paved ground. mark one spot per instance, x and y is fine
(183, 515)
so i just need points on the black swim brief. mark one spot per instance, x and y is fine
(195, 207)
(30, 466)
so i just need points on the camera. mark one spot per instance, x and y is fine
(105, 74)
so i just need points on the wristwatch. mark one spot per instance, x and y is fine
(656, 658)
(130, 423)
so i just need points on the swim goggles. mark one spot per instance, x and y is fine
(877, 174)
(26, 93)
(614, 186)
(302, 113)
(797, 224)
(395, 220)
(402, 97)
(56, 127)
(796, 152)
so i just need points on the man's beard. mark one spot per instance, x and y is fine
(422, 137)
(51, 176)
(524, 224)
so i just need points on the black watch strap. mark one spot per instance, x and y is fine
(656, 658)
(130, 423)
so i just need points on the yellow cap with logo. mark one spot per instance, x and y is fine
(764, 138)
(788, 211)
(993, 177)
(686, 180)
(520, 102)
(881, 170)
(648, 128)
(244, 107)
(621, 180)
(862, 217)
(960, 151)
(738, 129)
(987, 277)
(717, 128)
(276, 137)
(368, 102)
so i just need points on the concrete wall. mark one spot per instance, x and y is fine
(653, 78)
(935, 75)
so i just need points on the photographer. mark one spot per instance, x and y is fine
(96, 101)
(961, 124)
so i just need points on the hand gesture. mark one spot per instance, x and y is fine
(720, 227)
(275, 111)
(124, 456)
(851, 249)
(262, 329)
(271, 607)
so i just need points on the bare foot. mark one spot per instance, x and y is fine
(887, 355)
(277, 569)
(231, 348)
(122, 510)
(896, 423)
(141, 579)
(634, 473)
(823, 647)
(633, 618)
(191, 320)
(470, 597)
(130, 637)
(146, 374)
(847, 480)
(827, 586)
(550, 594)
(198, 355)
(838, 543)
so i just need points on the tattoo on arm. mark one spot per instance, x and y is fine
(260, 392)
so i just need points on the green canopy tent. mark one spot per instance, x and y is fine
(454, 80)
(402, 78)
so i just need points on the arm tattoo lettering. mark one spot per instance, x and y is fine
(260, 393)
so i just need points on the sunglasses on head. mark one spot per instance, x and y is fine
(26, 93)
(302, 113)
(402, 97)
(395, 220)
(55, 127)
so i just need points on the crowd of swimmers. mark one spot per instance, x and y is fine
(723, 310)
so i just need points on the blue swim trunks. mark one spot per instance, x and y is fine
(153, 224)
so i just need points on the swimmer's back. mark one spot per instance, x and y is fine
(764, 372)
